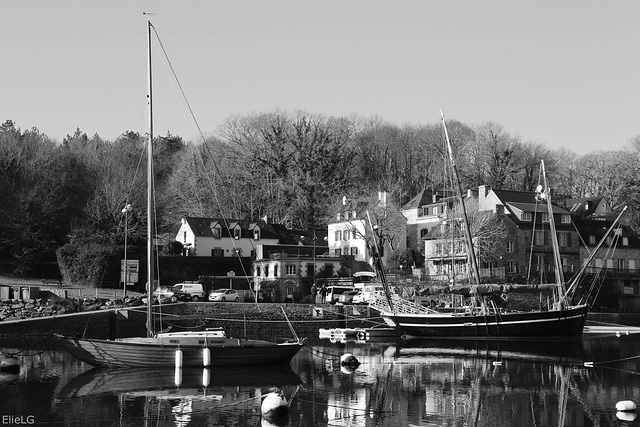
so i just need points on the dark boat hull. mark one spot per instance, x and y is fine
(147, 352)
(521, 325)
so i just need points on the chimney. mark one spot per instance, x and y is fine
(483, 190)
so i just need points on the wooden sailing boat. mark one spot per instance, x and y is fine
(484, 320)
(206, 348)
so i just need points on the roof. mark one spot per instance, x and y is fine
(423, 198)
(532, 207)
(202, 227)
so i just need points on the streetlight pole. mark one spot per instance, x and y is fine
(126, 211)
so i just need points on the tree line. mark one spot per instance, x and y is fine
(291, 167)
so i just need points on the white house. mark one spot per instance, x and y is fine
(215, 237)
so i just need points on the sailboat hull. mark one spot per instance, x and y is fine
(531, 325)
(145, 352)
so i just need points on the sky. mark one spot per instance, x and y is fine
(561, 73)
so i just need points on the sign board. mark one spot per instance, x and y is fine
(131, 272)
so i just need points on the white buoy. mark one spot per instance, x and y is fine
(177, 377)
(497, 363)
(626, 416)
(178, 358)
(588, 364)
(274, 406)
(9, 364)
(206, 357)
(206, 377)
(626, 405)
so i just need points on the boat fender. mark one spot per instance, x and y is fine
(626, 416)
(178, 358)
(349, 359)
(206, 377)
(626, 405)
(361, 335)
(206, 357)
(274, 406)
(9, 364)
(177, 377)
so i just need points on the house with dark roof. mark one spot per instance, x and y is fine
(527, 245)
(217, 237)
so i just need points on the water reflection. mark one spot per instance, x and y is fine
(424, 383)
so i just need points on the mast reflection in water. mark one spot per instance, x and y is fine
(425, 383)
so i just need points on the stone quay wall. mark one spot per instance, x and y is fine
(260, 321)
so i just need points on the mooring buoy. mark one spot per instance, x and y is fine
(274, 406)
(625, 406)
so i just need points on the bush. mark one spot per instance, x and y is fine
(83, 263)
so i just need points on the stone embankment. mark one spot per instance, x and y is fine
(16, 309)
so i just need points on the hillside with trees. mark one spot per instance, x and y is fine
(290, 167)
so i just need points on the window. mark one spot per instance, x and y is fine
(217, 252)
(512, 267)
(625, 241)
(338, 235)
(289, 269)
(564, 239)
(258, 271)
(236, 233)
(545, 217)
(620, 264)
(438, 248)
(310, 270)
(435, 210)
(538, 239)
(510, 246)
(256, 234)
(217, 233)
(354, 251)
(592, 240)
(540, 262)
(266, 271)
(275, 270)
(184, 237)
(424, 232)
(526, 216)
(345, 235)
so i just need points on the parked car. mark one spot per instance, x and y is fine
(224, 295)
(165, 294)
(347, 297)
(188, 291)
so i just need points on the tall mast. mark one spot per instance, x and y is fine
(150, 207)
(554, 240)
(467, 230)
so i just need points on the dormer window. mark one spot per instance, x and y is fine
(256, 234)
(236, 233)
(545, 217)
(565, 219)
(526, 216)
(217, 233)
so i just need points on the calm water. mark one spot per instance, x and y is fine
(398, 384)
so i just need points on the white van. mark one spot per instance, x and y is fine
(194, 291)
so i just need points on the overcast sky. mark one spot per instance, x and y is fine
(562, 73)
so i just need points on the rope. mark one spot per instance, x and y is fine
(24, 351)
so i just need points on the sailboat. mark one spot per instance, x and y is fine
(482, 319)
(179, 349)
